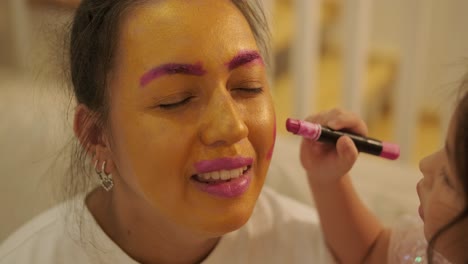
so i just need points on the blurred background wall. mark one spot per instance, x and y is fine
(35, 126)
(34, 123)
(413, 50)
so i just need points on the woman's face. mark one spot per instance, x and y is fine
(191, 118)
(441, 194)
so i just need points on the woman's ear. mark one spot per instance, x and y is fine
(90, 133)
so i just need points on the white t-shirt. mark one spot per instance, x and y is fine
(280, 230)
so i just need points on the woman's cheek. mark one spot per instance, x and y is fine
(263, 129)
(272, 147)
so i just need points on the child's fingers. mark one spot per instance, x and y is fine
(317, 118)
(338, 119)
(347, 151)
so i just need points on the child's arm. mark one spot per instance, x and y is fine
(352, 232)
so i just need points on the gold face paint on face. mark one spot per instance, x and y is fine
(165, 125)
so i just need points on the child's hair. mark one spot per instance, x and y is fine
(460, 162)
(92, 44)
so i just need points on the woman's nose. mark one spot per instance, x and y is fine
(223, 122)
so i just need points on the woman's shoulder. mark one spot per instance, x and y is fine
(280, 230)
(281, 208)
(281, 216)
(44, 239)
(44, 224)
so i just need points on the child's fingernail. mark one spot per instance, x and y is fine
(332, 123)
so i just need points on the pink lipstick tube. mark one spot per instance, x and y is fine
(324, 134)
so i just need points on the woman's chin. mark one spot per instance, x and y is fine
(228, 224)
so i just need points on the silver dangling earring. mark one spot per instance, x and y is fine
(106, 180)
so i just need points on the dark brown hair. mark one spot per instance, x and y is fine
(92, 47)
(460, 163)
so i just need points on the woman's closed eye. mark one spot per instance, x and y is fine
(243, 91)
(179, 101)
(175, 104)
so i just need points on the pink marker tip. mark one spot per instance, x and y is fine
(390, 151)
(293, 125)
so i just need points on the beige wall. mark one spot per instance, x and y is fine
(33, 127)
(5, 35)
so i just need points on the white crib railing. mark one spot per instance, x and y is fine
(411, 74)
(305, 55)
(357, 14)
(356, 38)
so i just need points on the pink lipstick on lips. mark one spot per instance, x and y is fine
(325, 134)
(235, 185)
(222, 164)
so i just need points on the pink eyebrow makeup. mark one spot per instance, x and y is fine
(328, 135)
(169, 69)
(244, 57)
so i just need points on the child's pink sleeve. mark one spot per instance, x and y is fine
(408, 244)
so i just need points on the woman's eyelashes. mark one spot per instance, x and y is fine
(248, 91)
(175, 104)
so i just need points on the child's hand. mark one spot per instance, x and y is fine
(326, 163)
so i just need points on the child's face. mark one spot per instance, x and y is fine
(184, 92)
(440, 193)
